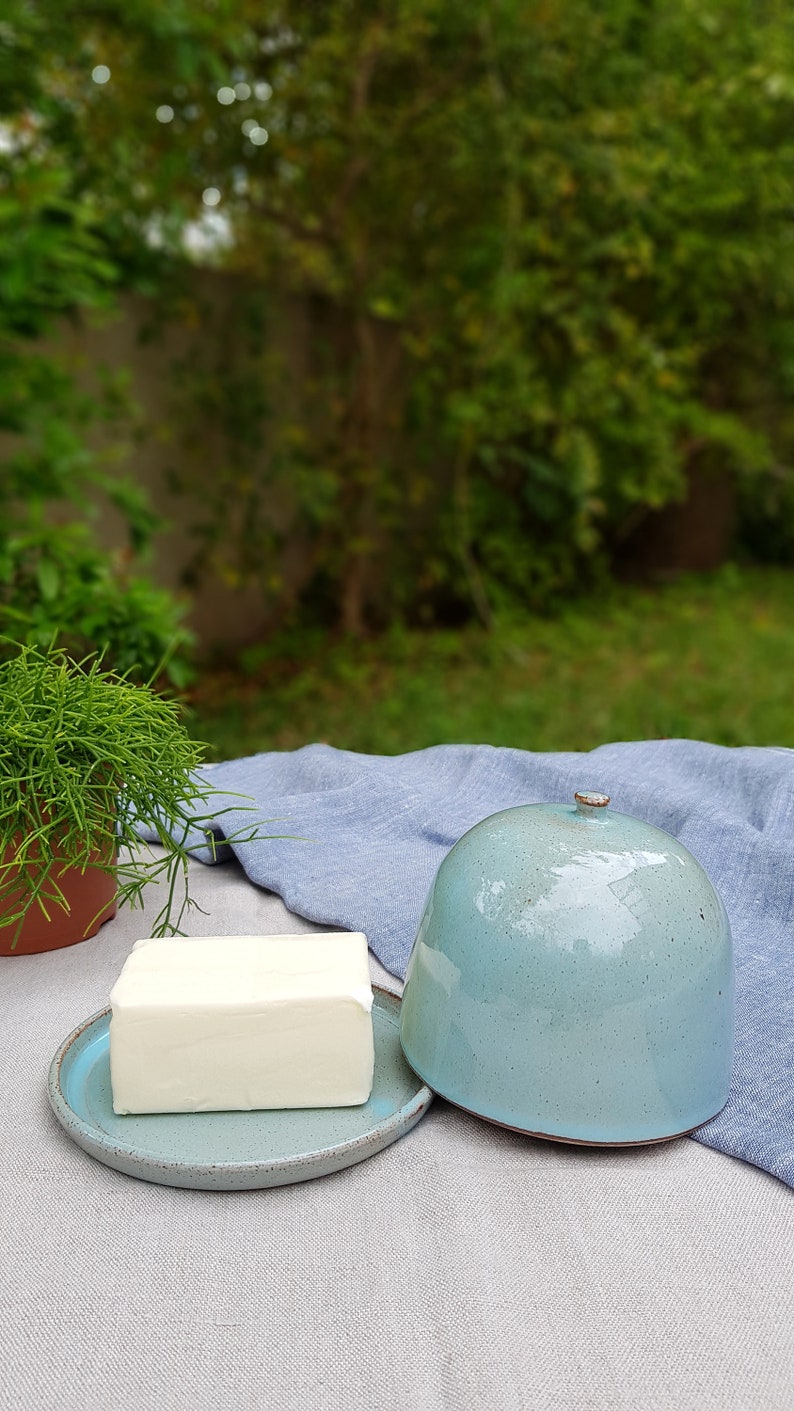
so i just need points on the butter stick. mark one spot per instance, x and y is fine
(234, 1023)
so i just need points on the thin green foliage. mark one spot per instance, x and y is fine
(86, 759)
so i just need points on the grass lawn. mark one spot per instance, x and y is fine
(709, 658)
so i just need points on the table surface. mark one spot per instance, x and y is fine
(464, 1267)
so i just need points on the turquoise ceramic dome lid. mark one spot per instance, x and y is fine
(572, 976)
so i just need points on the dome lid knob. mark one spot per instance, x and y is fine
(588, 803)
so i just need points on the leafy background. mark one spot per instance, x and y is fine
(540, 254)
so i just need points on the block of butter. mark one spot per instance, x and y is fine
(233, 1023)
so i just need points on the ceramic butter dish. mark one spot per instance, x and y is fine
(572, 977)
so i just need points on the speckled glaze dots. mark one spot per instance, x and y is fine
(572, 977)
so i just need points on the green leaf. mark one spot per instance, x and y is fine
(48, 579)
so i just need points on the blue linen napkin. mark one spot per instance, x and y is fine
(369, 832)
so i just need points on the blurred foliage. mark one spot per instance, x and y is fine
(542, 252)
(57, 586)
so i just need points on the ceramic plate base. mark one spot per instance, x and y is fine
(226, 1151)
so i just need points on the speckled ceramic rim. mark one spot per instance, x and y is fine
(242, 1175)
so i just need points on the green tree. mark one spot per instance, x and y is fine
(544, 250)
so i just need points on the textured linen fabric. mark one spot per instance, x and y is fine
(369, 833)
(463, 1268)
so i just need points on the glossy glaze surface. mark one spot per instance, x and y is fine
(573, 977)
(226, 1151)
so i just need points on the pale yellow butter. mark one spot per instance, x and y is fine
(233, 1023)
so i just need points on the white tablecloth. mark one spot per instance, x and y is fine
(465, 1267)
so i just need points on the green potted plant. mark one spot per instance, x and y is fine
(86, 757)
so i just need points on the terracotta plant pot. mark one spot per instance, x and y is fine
(91, 897)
